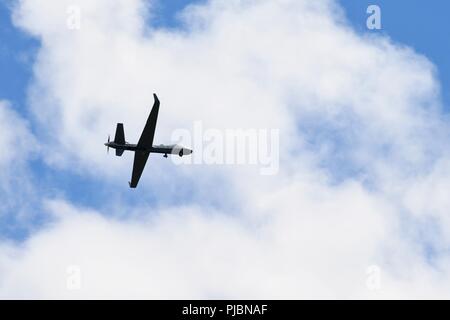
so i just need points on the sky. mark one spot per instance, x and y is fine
(356, 207)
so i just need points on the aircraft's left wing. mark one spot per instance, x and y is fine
(140, 159)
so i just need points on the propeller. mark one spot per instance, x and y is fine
(107, 148)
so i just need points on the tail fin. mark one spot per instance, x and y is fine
(120, 134)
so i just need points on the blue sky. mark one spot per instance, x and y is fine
(422, 25)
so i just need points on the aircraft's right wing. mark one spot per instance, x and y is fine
(145, 143)
(146, 139)
(140, 159)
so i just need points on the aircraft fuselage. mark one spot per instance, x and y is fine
(164, 149)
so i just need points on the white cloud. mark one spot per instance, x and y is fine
(363, 155)
(241, 64)
(321, 250)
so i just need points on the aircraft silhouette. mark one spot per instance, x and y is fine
(144, 146)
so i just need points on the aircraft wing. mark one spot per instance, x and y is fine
(146, 139)
(145, 143)
(140, 159)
